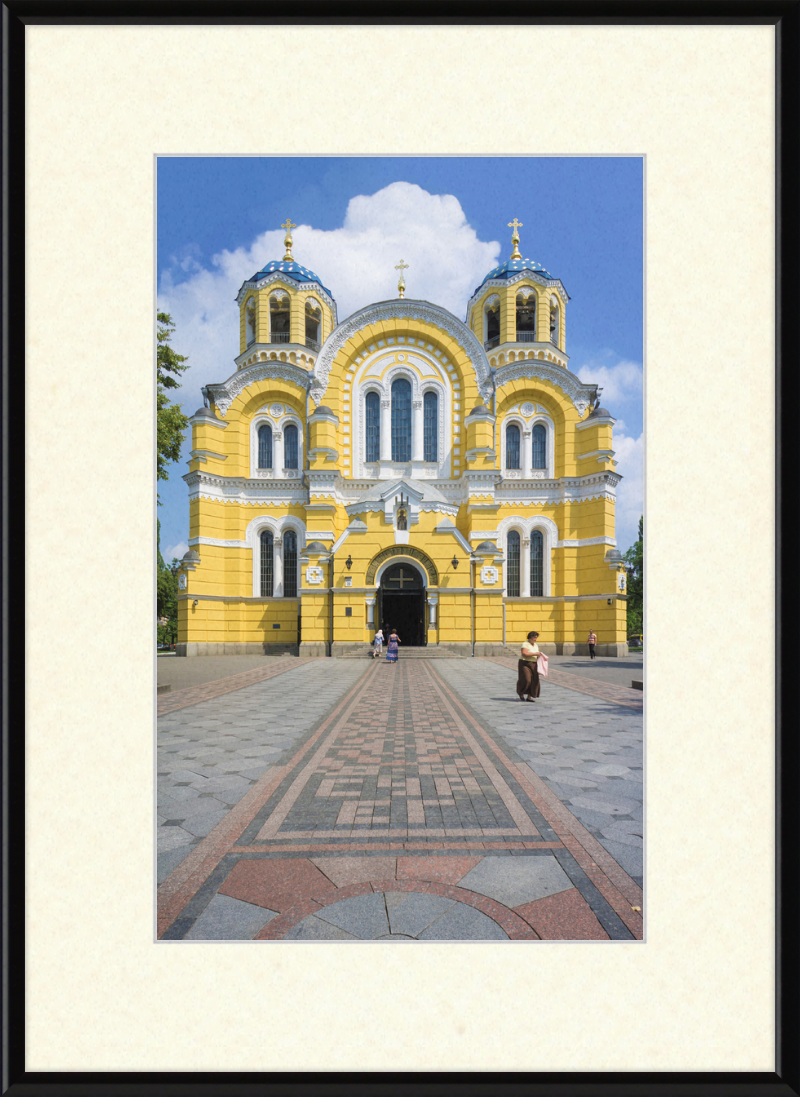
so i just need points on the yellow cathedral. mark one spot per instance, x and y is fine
(451, 479)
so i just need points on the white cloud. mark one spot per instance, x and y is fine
(430, 232)
(177, 552)
(620, 381)
(629, 455)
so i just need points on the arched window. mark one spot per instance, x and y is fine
(313, 319)
(265, 446)
(290, 564)
(279, 319)
(431, 426)
(250, 321)
(526, 317)
(539, 447)
(401, 420)
(290, 447)
(537, 564)
(554, 322)
(267, 544)
(373, 417)
(512, 447)
(492, 325)
(512, 565)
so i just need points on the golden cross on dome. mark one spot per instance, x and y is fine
(401, 285)
(515, 225)
(288, 225)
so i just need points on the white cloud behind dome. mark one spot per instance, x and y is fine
(429, 232)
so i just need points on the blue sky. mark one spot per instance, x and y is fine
(582, 218)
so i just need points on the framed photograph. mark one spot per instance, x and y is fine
(97, 105)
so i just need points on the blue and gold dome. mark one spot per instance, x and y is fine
(292, 269)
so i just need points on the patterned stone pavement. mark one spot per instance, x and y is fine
(334, 801)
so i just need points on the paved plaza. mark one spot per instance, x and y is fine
(354, 800)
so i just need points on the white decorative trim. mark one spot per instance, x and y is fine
(489, 575)
(202, 455)
(531, 368)
(314, 574)
(207, 421)
(597, 420)
(319, 535)
(278, 428)
(217, 542)
(225, 393)
(584, 541)
(402, 309)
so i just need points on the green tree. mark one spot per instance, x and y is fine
(171, 423)
(166, 597)
(634, 559)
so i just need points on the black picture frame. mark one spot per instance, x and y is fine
(785, 16)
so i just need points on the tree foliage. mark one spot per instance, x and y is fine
(634, 559)
(166, 597)
(171, 423)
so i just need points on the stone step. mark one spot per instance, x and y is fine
(407, 653)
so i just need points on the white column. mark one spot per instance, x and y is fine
(527, 452)
(525, 568)
(386, 430)
(433, 600)
(277, 451)
(417, 431)
(277, 585)
(370, 600)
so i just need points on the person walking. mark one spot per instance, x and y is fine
(391, 650)
(378, 644)
(592, 642)
(528, 669)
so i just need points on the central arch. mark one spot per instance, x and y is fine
(401, 602)
(413, 554)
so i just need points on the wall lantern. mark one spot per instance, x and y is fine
(348, 562)
(194, 603)
(454, 562)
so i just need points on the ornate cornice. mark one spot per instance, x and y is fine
(225, 393)
(281, 276)
(401, 309)
(581, 395)
(520, 276)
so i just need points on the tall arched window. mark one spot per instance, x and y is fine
(290, 564)
(279, 319)
(539, 447)
(512, 565)
(512, 447)
(267, 544)
(431, 426)
(492, 325)
(250, 321)
(265, 446)
(313, 324)
(290, 447)
(555, 322)
(401, 420)
(373, 417)
(537, 564)
(526, 317)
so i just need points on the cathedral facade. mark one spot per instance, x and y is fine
(451, 479)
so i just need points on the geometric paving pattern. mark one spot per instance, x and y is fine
(400, 812)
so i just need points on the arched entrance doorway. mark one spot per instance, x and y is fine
(401, 604)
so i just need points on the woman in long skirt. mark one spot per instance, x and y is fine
(391, 650)
(527, 669)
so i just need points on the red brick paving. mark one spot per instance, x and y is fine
(565, 916)
(276, 885)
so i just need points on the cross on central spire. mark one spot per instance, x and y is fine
(401, 285)
(515, 224)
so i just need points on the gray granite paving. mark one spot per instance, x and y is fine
(590, 752)
(210, 754)
(516, 880)
(364, 916)
(227, 919)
